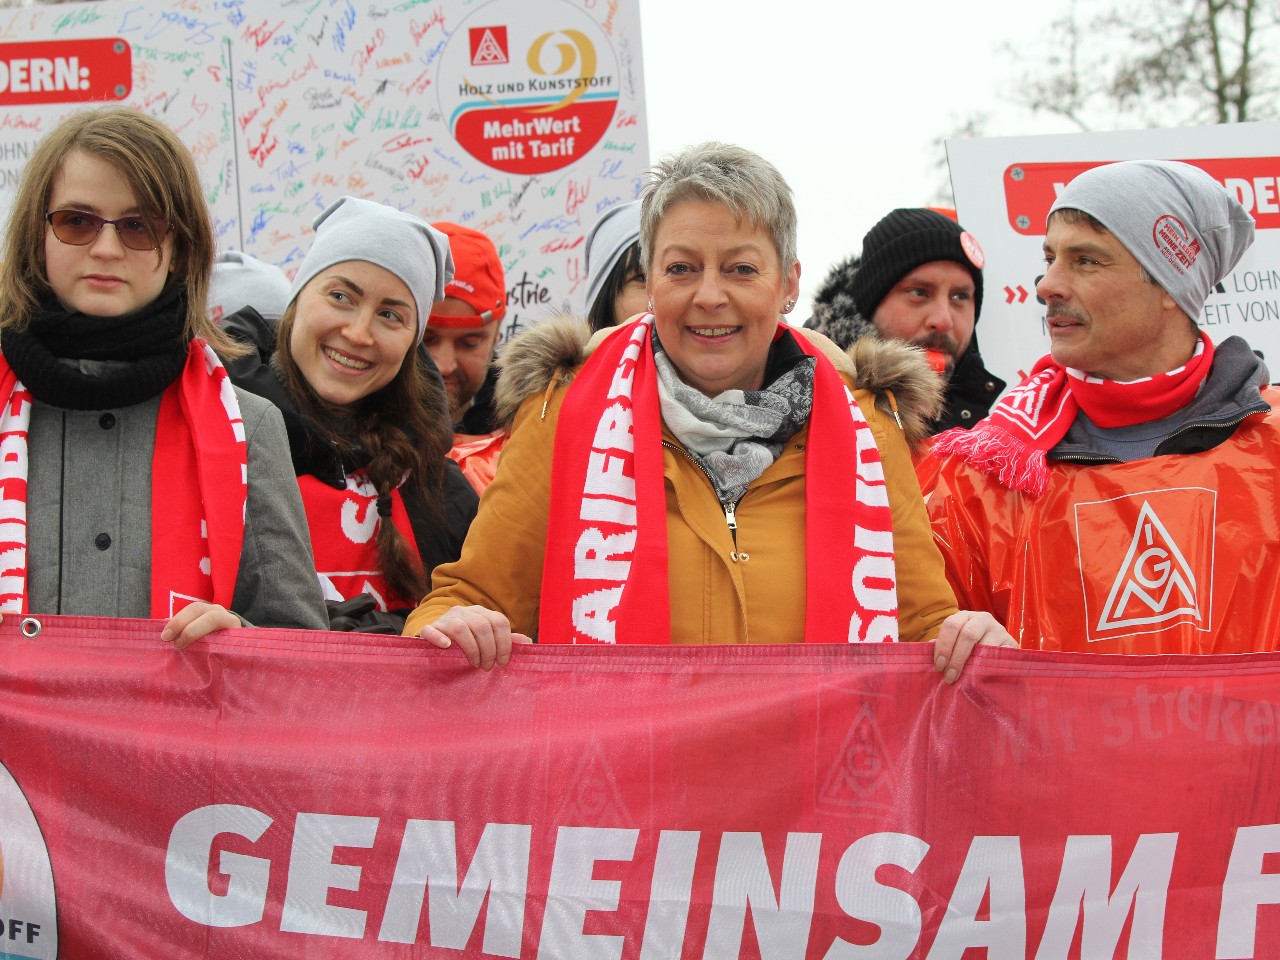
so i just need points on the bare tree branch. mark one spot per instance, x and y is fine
(1141, 63)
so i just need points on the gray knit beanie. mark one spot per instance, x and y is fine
(355, 229)
(240, 281)
(1184, 227)
(608, 240)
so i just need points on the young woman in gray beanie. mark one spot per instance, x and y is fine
(366, 411)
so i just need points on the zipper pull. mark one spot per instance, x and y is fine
(893, 405)
(731, 518)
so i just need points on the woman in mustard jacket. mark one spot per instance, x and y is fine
(706, 475)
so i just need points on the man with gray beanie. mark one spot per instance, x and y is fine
(918, 279)
(1121, 498)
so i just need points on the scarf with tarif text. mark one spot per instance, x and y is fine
(199, 487)
(605, 575)
(1013, 442)
(343, 523)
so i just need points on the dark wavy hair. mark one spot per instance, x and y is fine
(402, 432)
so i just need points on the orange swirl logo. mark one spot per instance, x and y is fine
(579, 50)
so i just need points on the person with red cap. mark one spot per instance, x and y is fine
(462, 336)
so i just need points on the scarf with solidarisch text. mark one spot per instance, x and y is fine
(198, 481)
(1013, 442)
(605, 576)
(344, 536)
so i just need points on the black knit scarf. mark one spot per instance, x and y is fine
(150, 344)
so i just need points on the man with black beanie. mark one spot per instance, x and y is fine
(919, 279)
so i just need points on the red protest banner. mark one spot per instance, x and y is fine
(280, 794)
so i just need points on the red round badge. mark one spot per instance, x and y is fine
(972, 250)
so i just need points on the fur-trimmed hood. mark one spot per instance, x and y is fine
(547, 354)
(835, 315)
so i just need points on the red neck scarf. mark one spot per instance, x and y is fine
(1013, 443)
(605, 576)
(198, 490)
(344, 529)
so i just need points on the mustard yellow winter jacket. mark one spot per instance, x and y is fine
(751, 593)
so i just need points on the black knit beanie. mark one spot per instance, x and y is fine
(902, 241)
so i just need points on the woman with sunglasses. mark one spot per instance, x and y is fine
(366, 410)
(148, 485)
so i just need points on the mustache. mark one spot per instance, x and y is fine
(1056, 309)
(941, 342)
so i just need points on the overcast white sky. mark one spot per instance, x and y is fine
(844, 98)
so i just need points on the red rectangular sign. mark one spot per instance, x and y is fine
(1031, 188)
(65, 71)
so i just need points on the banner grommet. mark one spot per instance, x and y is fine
(30, 627)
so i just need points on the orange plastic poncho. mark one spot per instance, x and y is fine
(477, 456)
(1172, 554)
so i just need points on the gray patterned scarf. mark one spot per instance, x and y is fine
(736, 435)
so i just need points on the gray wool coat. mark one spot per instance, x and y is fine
(90, 483)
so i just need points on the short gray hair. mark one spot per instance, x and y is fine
(744, 182)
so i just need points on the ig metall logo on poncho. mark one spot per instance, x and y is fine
(1164, 576)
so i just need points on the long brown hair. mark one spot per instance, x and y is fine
(162, 175)
(403, 430)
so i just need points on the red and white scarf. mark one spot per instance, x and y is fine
(344, 536)
(605, 576)
(199, 488)
(1013, 442)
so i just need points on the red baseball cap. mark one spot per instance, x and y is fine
(477, 278)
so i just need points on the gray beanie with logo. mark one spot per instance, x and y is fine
(1184, 227)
